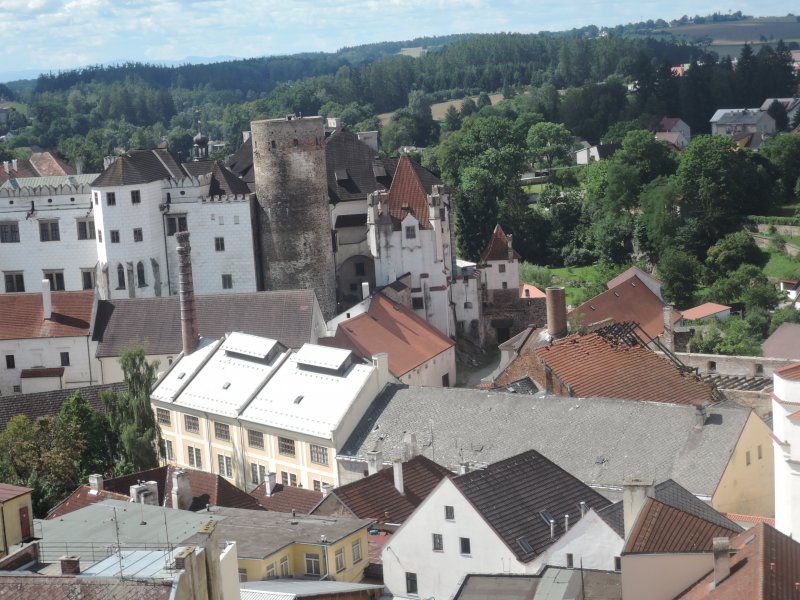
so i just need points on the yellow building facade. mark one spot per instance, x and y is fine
(16, 508)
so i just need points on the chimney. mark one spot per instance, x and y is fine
(47, 300)
(370, 138)
(326, 489)
(566, 523)
(556, 312)
(463, 468)
(722, 559)
(181, 556)
(668, 337)
(635, 492)
(14, 164)
(409, 446)
(70, 565)
(700, 415)
(398, 476)
(510, 239)
(271, 480)
(96, 483)
(381, 363)
(374, 461)
(181, 490)
(365, 290)
(333, 123)
(188, 313)
(584, 508)
(552, 528)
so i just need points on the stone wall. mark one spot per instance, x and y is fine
(505, 309)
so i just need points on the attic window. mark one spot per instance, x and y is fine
(182, 375)
(341, 174)
(548, 518)
(378, 170)
(226, 385)
(524, 545)
(298, 400)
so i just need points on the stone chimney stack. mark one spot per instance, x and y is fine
(668, 337)
(722, 559)
(189, 331)
(381, 363)
(635, 492)
(556, 312)
(70, 565)
(96, 483)
(271, 480)
(374, 461)
(364, 290)
(181, 490)
(410, 446)
(47, 300)
(700, 415)
(398, 476)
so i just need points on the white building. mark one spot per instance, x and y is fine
(733, 121)
(786, 442)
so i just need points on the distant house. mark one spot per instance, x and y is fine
(16, 514)
(597, 153)
(783, 343)
(674, 139)
(675, 125)
(732, 121)
(791, 287)
(706, 311)
(646, 278)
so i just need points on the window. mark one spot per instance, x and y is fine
(14, 282)
(747, 458)
(87, 279)
(312, 564)
(339, 556)
(64, 359)
(411, 583)
(255, 439)
(168, 450)
(120, 277)
(292, 480)
(712, 366)
(17, 389)
(86, 229)
(505, 285)
(464, 545)
(617, 563)
(759, 369)
(9, 232)
(285, 566)
(242, 575)
(271, 570)
(114, 233)
(195, 458)
(191, 423)
(467, 304)
(96, 196)
(569, 560)
(286, 446)
(227, 282)
(221, 220)
(222, 432)
(225, 466)
(140, 274)
(284, 479)
(446, 380)
(356, 551)
(438, 542)
(100, 236)
(317, 485)
(417, 304)
(136, 197)
(10, 362)
(760, 453)
(219, 244)
(56, 279)
(361, 270)
(48, 231)
(137, 234)
(319, 454)
(449, 513)
(258, 473)
(163, 416)
(175, 224)
(111, 198)
(411, 232)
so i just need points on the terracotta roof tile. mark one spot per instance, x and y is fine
(48, 164)
(708, 309)
(527, 290)
(389, 327)
(375, 497)
(82, 497)
(409, 193)
(750, 519)
(789, 372)
(286, 498)
(497, 249)
(663, 528)
(603, 364)
(22, 316)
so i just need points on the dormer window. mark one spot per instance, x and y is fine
(411, 232)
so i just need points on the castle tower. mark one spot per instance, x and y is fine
(294, 220)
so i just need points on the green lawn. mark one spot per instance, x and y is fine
(781, 266)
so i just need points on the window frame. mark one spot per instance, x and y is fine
(195, 427)
(17, 281)
(113, 236)
(222, 431)
(49, 230)
(340, 562)
(11, 361)
(176, 223)
(410, 232)
(64, 358)
(284, 566)
(170, 455)
(437, 542)
(449, 513)
(111, 198)
(283, 447)
(138, 235)
(219, 244)
(418, 303)
(251, 433)
(355, 549)
(141, 275)
(312, 560)
(412, 585)
(136, 197)
(465, 546)
(225, 465)
(56, 279)
(9, 230)
(91, 282)
(322, 455)
(86, 230)
(163, 416)
(227, 281)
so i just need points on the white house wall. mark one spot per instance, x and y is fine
(592, 543)
(431, 372)
(787, 456)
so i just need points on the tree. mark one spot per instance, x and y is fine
(783, 151)
(732, 251)
(93, 427)
(777, 111)
(547, 143)
(483, 100)
(679, 272)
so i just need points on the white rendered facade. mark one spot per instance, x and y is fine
(786, 443)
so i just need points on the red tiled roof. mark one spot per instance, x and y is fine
(409, 193)
(375, 497)
(286, 498)
(708, 309)
(526, 290)
(750, 519)
(48, 164)
(22, 317)
(668, 123)
(606, 365)
(789, 372)
(766, 566)
(497, 249)
(389, 327)
(81, 498)
(630, 300)
(663, 528)
(9, 492)
(42, 372)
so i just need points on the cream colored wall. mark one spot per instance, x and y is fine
(12, 532)
(431, 372)
(749, 489)
(111, 371)
(662, 576)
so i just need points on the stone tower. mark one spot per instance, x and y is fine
(294, 219)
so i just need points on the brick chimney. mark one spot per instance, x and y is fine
(189, 331)
(556, 312)
(70, 565)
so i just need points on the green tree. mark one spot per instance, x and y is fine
(777, 111)
(679, 272)
(783, 151)
(732, 251)
(548, 143)
(93, 428)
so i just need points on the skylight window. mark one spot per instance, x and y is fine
(524, 545)
(226, 385)
(182, 375)
(298, 400)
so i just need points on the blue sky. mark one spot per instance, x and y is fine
(55, 34)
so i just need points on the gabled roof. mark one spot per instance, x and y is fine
(9, 492)
(519, 495)
(22, 315)
(354, 169)
(498, 247)
(409, 192)
(783, 343)
(48, 164)
(608, 364)
(630, 300)
(646, 277)
(789, 372)
(139, 167)
(286, 498)
(739, 116)
(389, 327)
(662, 528)
(241, 163)
(667, 123)
(375, 497)
(704, 311)
(526, 290)
(287, 316)
(766, 566)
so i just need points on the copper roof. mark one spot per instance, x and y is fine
(766, 566)
(375, 497)
(783, 343)
(608, 365)
(705, 310)
(286, 498)
(662, 528)
(497, 249)
(389, 327)
(9, 492)
(22, 315)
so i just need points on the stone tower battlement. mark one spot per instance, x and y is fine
(293, 216)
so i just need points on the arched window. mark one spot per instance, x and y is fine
(120, 277)
(140, 274)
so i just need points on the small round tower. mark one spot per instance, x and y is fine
(294, 220)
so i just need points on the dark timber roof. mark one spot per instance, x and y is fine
(140, 166)
(354, 169)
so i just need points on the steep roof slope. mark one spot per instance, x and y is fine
(783, 343)
(409, 192)
(354, 169)
(498, 247)
(138, 167)
(22, 315)
(286, 498)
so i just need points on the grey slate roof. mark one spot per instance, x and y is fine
(783, 343)
(361, 169)
(140, 166)
(600, 441)
(286, 316)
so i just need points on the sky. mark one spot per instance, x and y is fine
(44, 35)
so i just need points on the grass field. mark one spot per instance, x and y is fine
(440, 108)
(781, 266)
